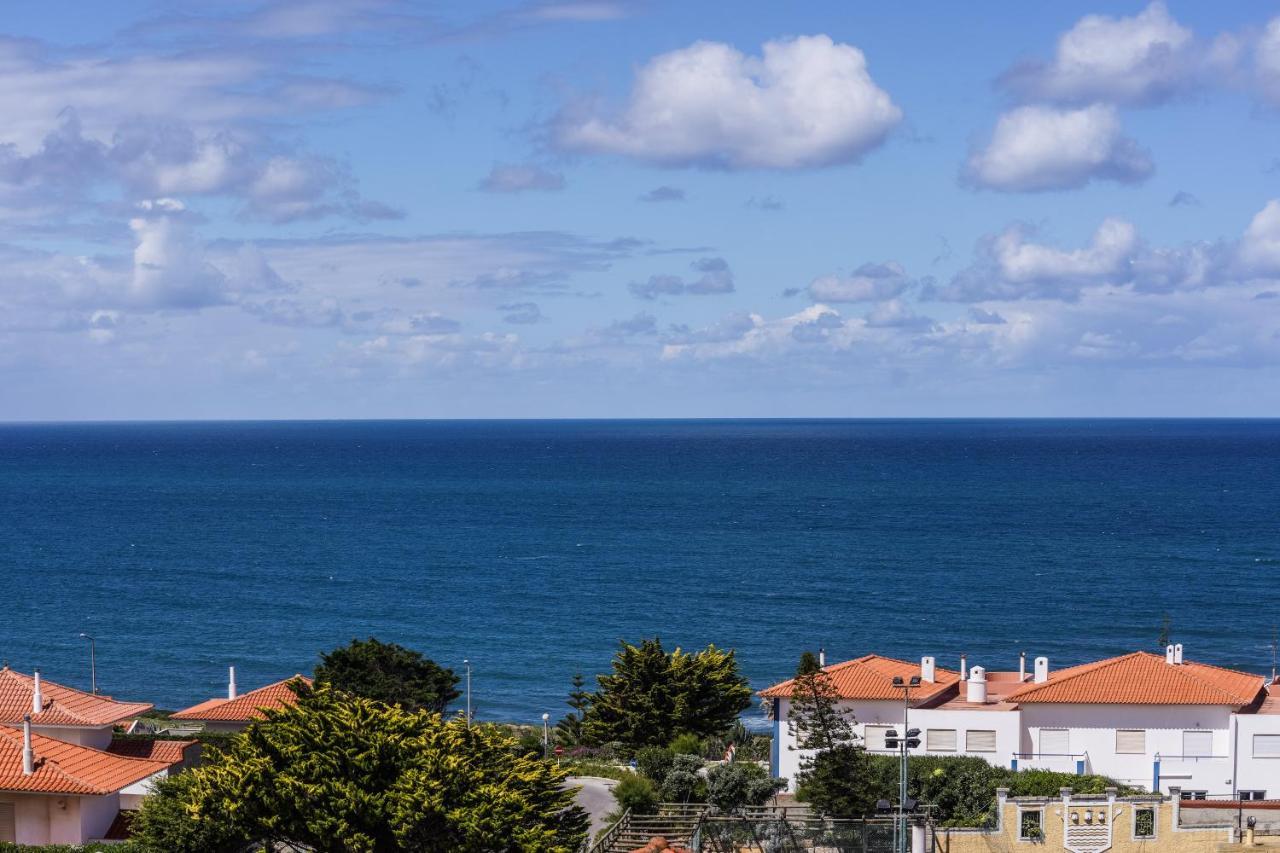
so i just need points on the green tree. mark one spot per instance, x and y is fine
(817, 722)
(388, 673)
(344, 774)
(637, 793)
(845, 782)
(652, 695)
(569, 729)
(732, 787)
(682, 782)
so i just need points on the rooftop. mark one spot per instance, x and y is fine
(153, 749)
(68, 768)
(61, 706)
(245, 707)
(1141, 678)
(871, 677)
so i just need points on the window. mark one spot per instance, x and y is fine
(8, 829)
(1030, 825)
(1194, 795)
(977, 740)
(1054, 742)
(1253, 795)
(1266, 746)
(940, 740)
(1144, 823)
(1131, 741)
(1197, 743)
(874, 737)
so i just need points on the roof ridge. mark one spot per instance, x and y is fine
(1070, 673)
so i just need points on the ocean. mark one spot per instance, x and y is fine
(532, 547)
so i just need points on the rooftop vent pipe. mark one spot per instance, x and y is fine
(1042, 670)
(231, 683)
(1168, 654)
(28, 754)
(1177, 653)
(928, 668)
(37, 696)
(964, 667)
(822, 657)
(1022, 666)
(977, 686)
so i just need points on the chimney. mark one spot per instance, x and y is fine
(964, 667)
(928, 668)
(37, 696)
(1168, 654)
(1177, 653)
(28, 754)
(1042, 670)
(977, 686)
(231, 683)
(822, 657)
(1022, 666)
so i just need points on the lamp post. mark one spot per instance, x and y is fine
(93, 664)
(467, 664)
(909, 740)
(546, 736)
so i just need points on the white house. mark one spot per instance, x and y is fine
(237, 710)
(1142, 719)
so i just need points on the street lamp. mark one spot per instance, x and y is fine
(909, 740)
(93, 665)
(467, 664)
(546, 736)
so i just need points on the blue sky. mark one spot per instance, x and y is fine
(598, 208)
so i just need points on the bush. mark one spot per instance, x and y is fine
(636, 793)
(731, 787)
(654, 762)
(687, 744)
(682, 784)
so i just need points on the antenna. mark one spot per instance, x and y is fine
(1275, 646)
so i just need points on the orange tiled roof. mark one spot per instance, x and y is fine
(871, 677)
(154, 749)
(1142, 678)
(247, 706)
(63, 706)
(68, 768)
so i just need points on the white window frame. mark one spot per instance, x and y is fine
(1186, 754)
(968, 743)
(1026, 838)
(1154, 808)
(1266, 738)
(1040, 741)
(929, 735)
(1193, 795)
(867, 740)
(1252, 794)
(1141, 732)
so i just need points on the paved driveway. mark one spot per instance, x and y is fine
(595, 797)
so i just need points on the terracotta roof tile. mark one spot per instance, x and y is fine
(63, 706)
(1142, 678)
(154, 749)
(247, 706)
(871, 677)
(68, 768)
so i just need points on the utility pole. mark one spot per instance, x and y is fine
(467, 664)
(910, 739)
(93, 665)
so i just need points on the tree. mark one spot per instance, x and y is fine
(388, 673)
(682, 782)
(842, 783)
(1162, 642)
(817, 722)
(343, 774)
(652, 696)
(637, 793)
(569, 729)
(732, 787)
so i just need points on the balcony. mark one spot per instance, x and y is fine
(1194, 772)
(1077, 763)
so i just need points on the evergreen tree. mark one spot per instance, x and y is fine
(652, 695)
(1162, 642)
(388, 673)
(569, 729)
(817, 722)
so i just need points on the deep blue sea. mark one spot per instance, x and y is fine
(531, 547)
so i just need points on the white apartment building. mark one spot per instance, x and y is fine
(1142, 719)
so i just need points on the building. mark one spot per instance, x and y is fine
(1142, 719)
(237, 710)
(62, 712)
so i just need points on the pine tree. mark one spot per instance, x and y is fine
(817, 722)
(1162, 641)
(569, 729)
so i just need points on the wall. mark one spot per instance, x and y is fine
(1256, 774)
(99, 738)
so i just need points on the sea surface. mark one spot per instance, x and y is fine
(532, 547)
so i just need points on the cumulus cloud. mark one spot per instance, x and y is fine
(170, 269)
(868, 283)
(715, 278)
(1259, 249)
(806, 102)
(509, 178)
(1133, 60)
(1042, 148)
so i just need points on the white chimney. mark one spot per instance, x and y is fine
(1177, 653)
(928, 668)
(37, 696)
(1168, 654)
(822, 657)
(964, 667)
(231, 682)
(1022, 667)
(1042, 670)
(28, 754)
(977, 686)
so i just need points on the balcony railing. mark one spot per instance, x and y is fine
(1073, 762)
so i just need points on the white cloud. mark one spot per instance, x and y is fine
(715, 278)
(508, 178)
(807, 102)
(169, 266)
(1267, 61)
(1134, 60)
(868, 283)
(1042, 148)
(1259, 249)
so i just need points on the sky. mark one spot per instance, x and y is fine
(605, 208)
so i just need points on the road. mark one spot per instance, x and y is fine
(595, 797)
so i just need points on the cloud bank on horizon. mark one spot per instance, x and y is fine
(381, 208)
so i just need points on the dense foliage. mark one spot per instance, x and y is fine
(637, 793)
(732, 787)
(847, 781)
(816, 721)
(652, 696)
(343, 774)
(569, 729)
(390, 673)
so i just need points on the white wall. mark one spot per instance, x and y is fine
(1256, 774)
(99, 738)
